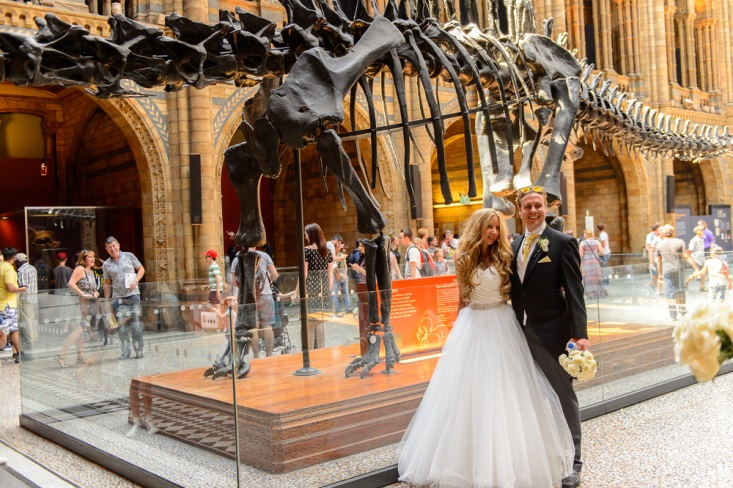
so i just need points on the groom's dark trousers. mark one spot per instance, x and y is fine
(549, 304)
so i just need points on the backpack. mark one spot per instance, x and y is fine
(427, 268)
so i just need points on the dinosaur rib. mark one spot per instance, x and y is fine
(461, 97)
(436, 121)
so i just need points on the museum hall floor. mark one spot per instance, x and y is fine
(679, 439)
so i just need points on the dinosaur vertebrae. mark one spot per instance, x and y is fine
(245, 48)
(606, 114)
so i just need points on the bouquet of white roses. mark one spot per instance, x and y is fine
(579, 364)
(702, 339)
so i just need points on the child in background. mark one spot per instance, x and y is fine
(441, 265)
(718, 277)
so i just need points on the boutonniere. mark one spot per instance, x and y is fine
(544, 243)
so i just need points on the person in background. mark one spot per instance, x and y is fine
(652, 239)
(340, 300)
(422, 234)
(83, 284)
(449, 246)
(603, 239)
(233, 271)
(228, 262)
(708, 238)
(216, 285)
(355, 258)
(265, 275)
(122, 272)
(61, 274)
(9, 291)
(591, 257)
(695, 256)
(100, 321)
(669, 253)
(432, 245)
(718, 275)
(318, 282)
(28, 302)
(412, 255)
(450, 243)
(395, 250)
(357, 268)
(441, 266)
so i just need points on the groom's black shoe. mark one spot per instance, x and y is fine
(572, 481)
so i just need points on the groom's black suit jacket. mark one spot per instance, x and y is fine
(552, 291)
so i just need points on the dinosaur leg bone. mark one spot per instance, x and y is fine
(369, 219)
(566, 94)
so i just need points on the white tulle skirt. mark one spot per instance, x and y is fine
(489, 417)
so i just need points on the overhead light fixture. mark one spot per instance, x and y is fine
(44, 169)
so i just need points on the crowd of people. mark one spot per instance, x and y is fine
(107, 292)
(668, 254)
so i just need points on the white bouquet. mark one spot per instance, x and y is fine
(579, 364)
(702, 339)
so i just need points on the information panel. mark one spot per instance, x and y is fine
(423, 311)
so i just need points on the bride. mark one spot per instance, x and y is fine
(489, 418)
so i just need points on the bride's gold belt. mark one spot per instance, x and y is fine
(486, 306)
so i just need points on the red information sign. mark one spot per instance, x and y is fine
(423, 311)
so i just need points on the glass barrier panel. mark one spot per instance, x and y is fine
(118, 375)
(303, 417)
(636, 311)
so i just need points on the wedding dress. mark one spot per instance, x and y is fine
(489, 417)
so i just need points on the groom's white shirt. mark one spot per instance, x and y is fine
(521, 264)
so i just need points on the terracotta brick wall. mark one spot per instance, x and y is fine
(689, 187)
(600, 189)
(105, 172)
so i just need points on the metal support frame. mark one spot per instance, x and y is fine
(306, 370)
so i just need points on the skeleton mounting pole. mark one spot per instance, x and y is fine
(306, 370)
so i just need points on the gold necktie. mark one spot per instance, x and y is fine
(527, 245)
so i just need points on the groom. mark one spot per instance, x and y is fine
(547, 296)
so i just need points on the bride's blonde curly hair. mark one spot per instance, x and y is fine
(468, 256)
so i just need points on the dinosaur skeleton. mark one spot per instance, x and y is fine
(532, 92)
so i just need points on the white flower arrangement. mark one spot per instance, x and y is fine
(702, 339)
(544, 243)
(579, 364)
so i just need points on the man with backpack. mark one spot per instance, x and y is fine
(417, 260)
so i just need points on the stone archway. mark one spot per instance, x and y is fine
(615, 191)
(638, 198)
(714, 177)
(152, 162)
(452, 216)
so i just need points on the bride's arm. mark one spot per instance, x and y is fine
(461, 304)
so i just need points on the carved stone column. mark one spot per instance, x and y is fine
(654, 53)
(602, 18)
(576, 27)
(208, 235)
(669, 11)
(706, 52)
(686, 36)
(624, 36)
(702, 65)
(635, 54)
(726, 53)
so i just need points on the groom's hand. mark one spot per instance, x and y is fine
(581, 344)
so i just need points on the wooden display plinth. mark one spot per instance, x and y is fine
(286, 422)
